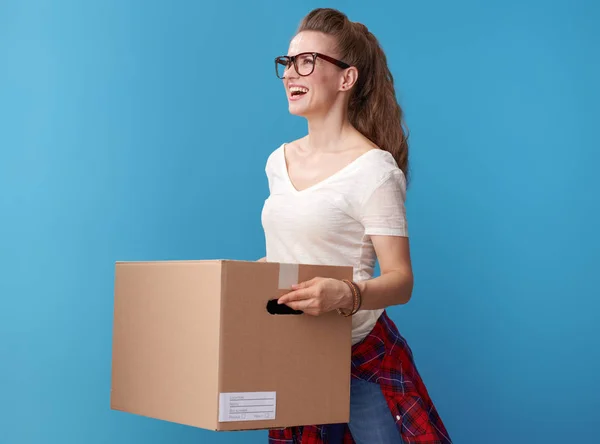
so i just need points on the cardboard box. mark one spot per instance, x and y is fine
(194, 343)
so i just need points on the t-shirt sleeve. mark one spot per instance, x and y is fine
(383, 211)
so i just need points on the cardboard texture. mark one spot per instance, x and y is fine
(194, 343)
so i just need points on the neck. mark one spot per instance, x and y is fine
(328, 132)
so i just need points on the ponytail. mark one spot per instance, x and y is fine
(373, 108)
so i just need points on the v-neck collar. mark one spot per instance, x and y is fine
(341, 171)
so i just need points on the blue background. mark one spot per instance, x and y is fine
(139, 130)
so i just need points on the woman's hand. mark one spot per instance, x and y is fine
(318, 296)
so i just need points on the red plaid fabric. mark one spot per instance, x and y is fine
(384, 357)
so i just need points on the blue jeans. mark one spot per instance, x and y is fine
(371, 421)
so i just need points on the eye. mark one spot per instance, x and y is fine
(306, 60)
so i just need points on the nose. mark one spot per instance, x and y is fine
(290, 72)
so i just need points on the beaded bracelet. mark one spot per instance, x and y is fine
(356, 287)
(357, 299)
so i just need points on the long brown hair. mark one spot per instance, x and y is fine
(373, 108)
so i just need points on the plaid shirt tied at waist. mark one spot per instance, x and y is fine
(385, 358)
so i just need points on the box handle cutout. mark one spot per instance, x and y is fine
(281, 309)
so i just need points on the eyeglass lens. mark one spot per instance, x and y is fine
(304, 65)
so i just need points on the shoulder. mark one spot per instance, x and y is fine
(379, 178)
(279, 154)
(273, 156)
(380, 166)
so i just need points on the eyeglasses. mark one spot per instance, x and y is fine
(304, 63)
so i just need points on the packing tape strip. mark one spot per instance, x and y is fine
(288, 276)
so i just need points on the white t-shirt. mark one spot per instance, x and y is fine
(330, 223)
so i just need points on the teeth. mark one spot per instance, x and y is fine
(299, 89)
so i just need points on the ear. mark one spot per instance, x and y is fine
(349, 78)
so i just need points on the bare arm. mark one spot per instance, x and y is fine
(393, 287)
(395, 284)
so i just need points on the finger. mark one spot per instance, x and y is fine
(296, 305)
(304, 306)
(305, 284)
(296, 295)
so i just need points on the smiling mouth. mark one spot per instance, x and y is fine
(297, 91)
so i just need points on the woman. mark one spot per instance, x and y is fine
(337, 197)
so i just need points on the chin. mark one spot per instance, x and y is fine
(297, 110)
